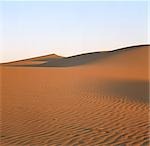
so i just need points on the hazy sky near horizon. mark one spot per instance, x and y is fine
(38, 28)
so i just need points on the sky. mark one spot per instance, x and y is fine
(67, 28)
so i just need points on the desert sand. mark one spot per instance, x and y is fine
(93, 99)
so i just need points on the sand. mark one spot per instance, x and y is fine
(77, 101)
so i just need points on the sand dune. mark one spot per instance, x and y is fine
(33, 61)
(96, 57)
(95, 99)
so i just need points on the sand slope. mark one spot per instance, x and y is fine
(96, 99)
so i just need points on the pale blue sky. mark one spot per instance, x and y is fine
(67, 28)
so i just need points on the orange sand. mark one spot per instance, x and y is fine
(99, 103)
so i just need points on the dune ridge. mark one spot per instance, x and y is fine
(103, 101)
(54, 60)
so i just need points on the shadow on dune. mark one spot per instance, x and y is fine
(131, 90)
(71, 61)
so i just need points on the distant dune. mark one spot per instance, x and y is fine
(32, 61)
(58, 61)
(93, 99)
